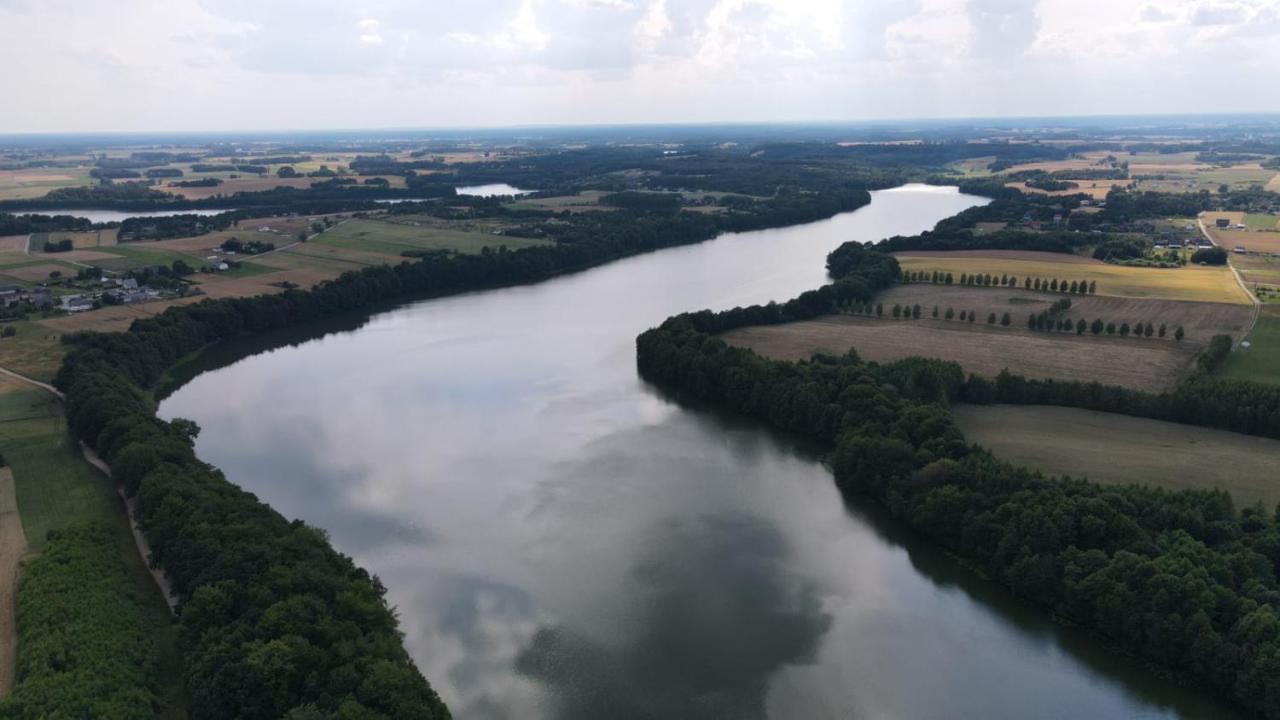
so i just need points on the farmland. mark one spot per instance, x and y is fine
(1164, 172)
(1203, 284)
(980, 349)
(1118, 449)
(1261, 236)
(393, 238)
(1260, 362)
(35, 182)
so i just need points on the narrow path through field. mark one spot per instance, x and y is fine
(144, 550)
(13, 545)
(1257, 304)
(139, 540)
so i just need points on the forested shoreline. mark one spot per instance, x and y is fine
(272, 619)
(1178, 578)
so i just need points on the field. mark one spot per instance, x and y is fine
(582, 202)
(1261, 269)
(1096, 189)
(393, 238)
(35, 182)
(1262, 235)
(1165, 172)
(1203, 284)
(1273, 185)
(1200, 321)
(1260, 362)
(35, 350)
(56, 488)
(979, 349)
(1118, 449)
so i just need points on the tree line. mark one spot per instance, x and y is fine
(1179, 578)
(942, 277)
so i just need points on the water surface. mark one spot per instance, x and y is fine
(106, 216)
(490, 190)
(563, 541)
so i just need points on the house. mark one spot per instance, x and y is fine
(129, 284)
(222, 266)
(6, 290)
(1238, 249)
(77, 303)
(1222, 223)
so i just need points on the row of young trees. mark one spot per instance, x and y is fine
(939, 277)
(273, 620)
(1180, 579)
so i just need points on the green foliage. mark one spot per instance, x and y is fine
(1210, 256)
(85, 649)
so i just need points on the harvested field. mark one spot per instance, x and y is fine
(1096, 189)
(36, 182)
(38, 272)
(1255, 241)
(1264, 269)
(979, 348)
(1273, 185)
(1122, 450)
(84, 256)
(115, 318)
(1201, 321)
(13, 244)
(1203, 284)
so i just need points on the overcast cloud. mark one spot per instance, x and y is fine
(73, 65)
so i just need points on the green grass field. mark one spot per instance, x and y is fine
(394, 238)
(1260, 362)
(133, 256)
(57, 488)
(1259, 221)
(1121, 450)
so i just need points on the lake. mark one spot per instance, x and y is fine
(491, 190)
(106, 216)
(561, 540)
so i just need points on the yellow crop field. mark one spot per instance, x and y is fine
(1204, 284)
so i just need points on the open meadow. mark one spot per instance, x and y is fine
(1118, 449)
(1196, 283)
(1260, 361)
(393, 238)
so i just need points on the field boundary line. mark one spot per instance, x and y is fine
(1257, 304)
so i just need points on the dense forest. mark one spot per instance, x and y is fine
(86, 650)
(273, 620)
(1181, 579)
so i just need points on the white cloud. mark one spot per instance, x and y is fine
(188, 64)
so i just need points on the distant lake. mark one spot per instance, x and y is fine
(105, 216)
(564, 541)
(491, 189)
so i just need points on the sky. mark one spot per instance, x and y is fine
(189, 65)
